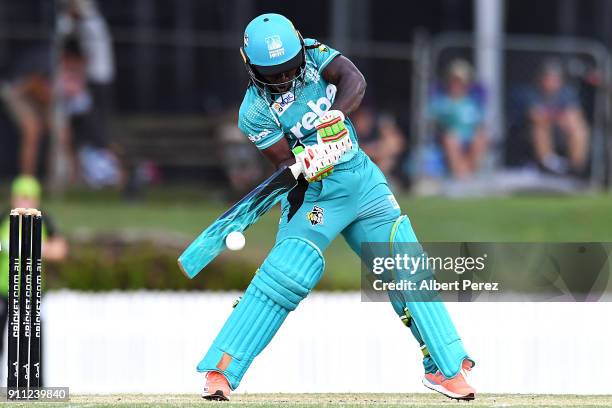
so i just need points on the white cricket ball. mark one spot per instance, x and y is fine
(235, 241)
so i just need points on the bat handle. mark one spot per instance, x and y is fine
(296, 169)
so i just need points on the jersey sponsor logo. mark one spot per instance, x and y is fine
(315, 216)
(275, 46)
(318, 109)
(258, 137)
(283, 103)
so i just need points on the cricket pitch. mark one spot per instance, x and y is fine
(329, 400)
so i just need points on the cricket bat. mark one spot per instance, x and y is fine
(239, 217)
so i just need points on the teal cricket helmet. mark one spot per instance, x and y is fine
(272, 46)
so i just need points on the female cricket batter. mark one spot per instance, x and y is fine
(296, 108)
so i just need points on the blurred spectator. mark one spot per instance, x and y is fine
(81, 20)
(28, 98)
(458, 113)
(26, 193)
(380, 138)
(553, 110)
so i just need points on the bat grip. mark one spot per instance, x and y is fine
(296, 169)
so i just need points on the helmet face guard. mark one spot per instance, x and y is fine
(257, 73)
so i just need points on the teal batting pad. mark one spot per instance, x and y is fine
(291, 270)
(431, 317)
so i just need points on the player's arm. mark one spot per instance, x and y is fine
(349, 81)
(279, 153)
(351, 86)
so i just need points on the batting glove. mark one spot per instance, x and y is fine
(316, 162)
(332, 132)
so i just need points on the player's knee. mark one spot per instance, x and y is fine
(291, 270)
(402, 230)
(405, 243)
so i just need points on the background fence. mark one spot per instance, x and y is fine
(151, 342)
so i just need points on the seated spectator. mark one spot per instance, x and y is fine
(457, 112)
(553, 109)
(380, 138)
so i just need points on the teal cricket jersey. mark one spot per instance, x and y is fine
(462, 116)
(293, 113)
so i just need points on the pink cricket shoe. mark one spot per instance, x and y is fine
(216, 388)
(456, 387)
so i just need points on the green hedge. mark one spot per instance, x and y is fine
(95, 266)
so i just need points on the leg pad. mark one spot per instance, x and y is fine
(291, 270)
(430, 321)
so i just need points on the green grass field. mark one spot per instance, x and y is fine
(330, 400)
(518, 219)
(556, 218)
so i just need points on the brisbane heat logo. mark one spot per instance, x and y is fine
(275, 46)
(315, 216)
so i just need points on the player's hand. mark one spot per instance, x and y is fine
(316, 162)
(333, 141)
(332, 132)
